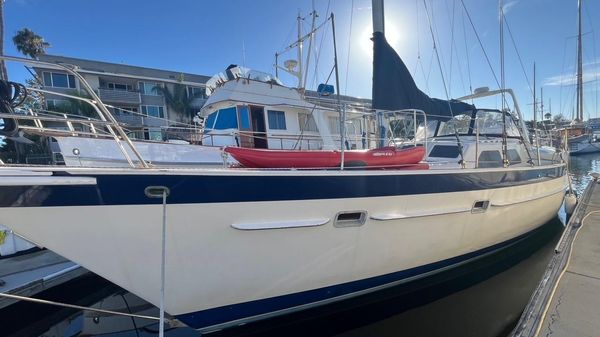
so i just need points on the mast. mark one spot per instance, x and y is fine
(378, 26)
(579, 70)
(535, 124)
(378, 19)
(300, 43)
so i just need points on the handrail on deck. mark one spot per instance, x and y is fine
(95, 101)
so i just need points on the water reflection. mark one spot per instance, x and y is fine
(485, 303)
(580, 168)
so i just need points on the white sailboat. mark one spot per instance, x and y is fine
(243, 244)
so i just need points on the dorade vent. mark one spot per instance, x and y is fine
(350, 218)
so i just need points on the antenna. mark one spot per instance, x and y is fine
(290, 65)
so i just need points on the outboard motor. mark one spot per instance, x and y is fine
(12, 95)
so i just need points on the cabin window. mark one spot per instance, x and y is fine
(490, 159)
(276, 120)
(513, 157)
(227, 119)
(307, 123)
(444, 151)
(210, 120)
(59, 80)
(490, 122)
(459, 124)
(244, 117)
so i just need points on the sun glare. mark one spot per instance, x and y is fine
(392, 35)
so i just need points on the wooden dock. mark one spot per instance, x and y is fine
(567, 300)
(29, 274)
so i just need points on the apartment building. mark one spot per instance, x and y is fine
(131, 90)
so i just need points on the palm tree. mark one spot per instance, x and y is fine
(3, 73)
(76, 107)
(179, 100)
(29, 43)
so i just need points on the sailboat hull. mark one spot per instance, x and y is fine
(245, 245)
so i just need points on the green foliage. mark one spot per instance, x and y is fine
(29, 43)
(179, 100)
(77, 107)
(559, 119)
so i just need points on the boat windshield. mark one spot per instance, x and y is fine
(486, 122)
(239, 72)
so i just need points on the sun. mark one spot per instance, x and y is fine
(392, 35)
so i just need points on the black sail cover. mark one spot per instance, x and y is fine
(395, 89)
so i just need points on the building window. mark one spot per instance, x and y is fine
(126, 110)
(150, 88)
(196, 92)
(154, 134)
(276, 120)
(57, 103)
(153, 111)
(307, 123)
(120, 86)
(58, 80)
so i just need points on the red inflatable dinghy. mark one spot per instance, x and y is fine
(385, 157)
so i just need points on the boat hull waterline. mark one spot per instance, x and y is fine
(237, 251)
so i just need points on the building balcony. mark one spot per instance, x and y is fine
(140, 121)
(119, 96)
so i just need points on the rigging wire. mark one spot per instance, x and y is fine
(467, 54)
(349, 48)
(595, 60)
(435, 37)
(455, 50)
(480, 43)
(459, 143)
(318, 54)
(418, 38)
(518, 54)
(451, 44)
(562, 77)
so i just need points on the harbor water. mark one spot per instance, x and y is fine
(485, 299)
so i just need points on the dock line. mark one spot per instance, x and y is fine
(73, 306)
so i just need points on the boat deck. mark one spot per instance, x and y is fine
(29, 274)
(567, 299)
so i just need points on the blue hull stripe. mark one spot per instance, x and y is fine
(186, 189)
(221, 315)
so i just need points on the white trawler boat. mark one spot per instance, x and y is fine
(245, 108)
(244, 244)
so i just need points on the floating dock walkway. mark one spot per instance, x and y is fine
(29, 274)
(567, 300)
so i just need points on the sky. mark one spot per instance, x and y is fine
(204, 37)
